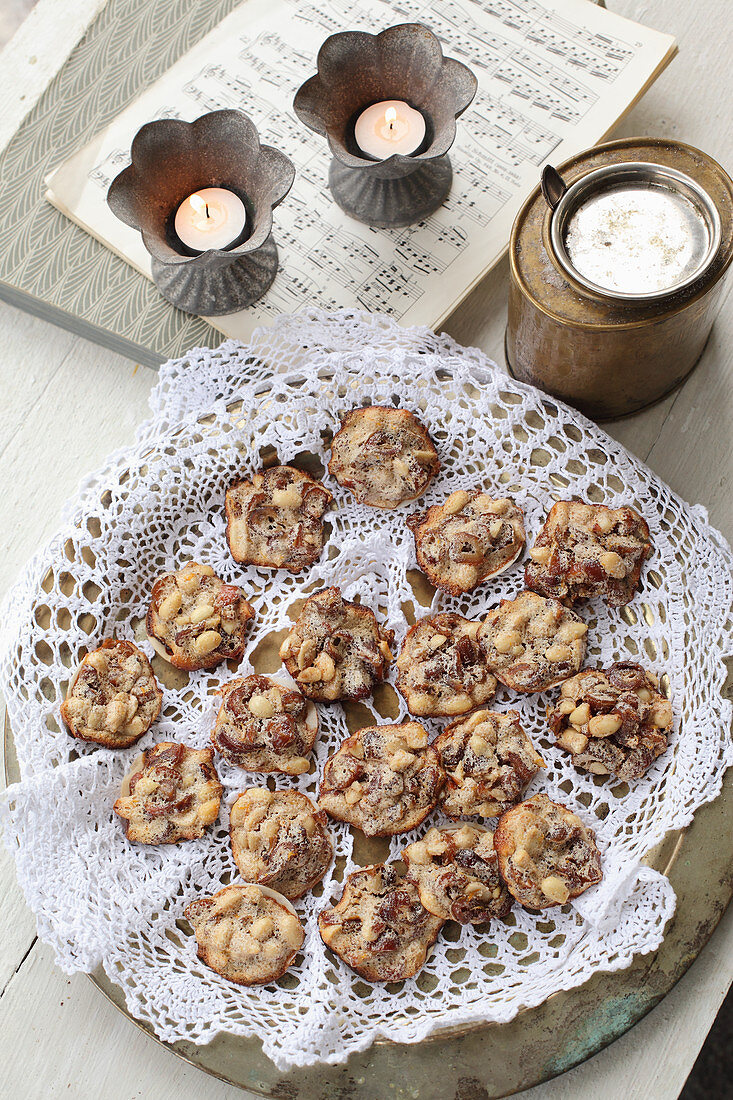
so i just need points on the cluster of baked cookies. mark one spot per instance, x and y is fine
(384, 779)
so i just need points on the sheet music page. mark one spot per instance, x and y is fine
(554, 77)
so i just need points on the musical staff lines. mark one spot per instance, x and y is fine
(523, 140)
(598, 54)
(103, 173)
(530, 76)
(216, 87)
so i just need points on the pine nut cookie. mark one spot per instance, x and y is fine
(174, 794)
(379, 927)
(384, 456)
(263, 726)
(336, 649)
(280, 839)
(532, 643)
(489, 762)
(441, 668)
(546, 854)
(587, 550)
(383, 779)
(466, 539)
(456, 871)
(195, 620)
(612, 721)
(113, 698)
(276, 520)
(249, 934)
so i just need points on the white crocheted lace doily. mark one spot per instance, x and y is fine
(99, 899)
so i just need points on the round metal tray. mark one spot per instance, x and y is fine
(496, 1060)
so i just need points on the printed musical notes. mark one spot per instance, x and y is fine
(493, 121)
(553, 77)
(103, 173)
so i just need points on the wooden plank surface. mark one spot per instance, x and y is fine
(67, 403)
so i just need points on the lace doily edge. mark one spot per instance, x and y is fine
(386, 1032)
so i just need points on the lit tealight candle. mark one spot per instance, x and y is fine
(211, 218)
(390, 127)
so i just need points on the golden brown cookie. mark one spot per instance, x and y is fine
(546, 854)
(383, 455)
(587, 550)
(532, 643)
(174, 794)
(276, 520)
(441, 669)
(379, 927)
(249, 934)
(383, 779)
(489, 761)
(456, 871)
(336, 649)
(612, 721)
(280, 839)
(113, 698)
(263, 726)
(469, 537)
(195, 620)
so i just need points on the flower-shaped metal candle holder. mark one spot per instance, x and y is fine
(355, 70)
(171, 160)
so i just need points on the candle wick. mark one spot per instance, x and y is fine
(207, 210)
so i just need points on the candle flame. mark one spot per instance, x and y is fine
(197, 203)
(390, 115)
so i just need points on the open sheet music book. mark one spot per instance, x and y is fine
(554, 77)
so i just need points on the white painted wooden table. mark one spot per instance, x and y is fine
(66, 404)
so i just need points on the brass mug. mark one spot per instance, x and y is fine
(608, 339)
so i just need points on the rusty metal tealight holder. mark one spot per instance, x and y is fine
(355, 70)
(171, 160)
